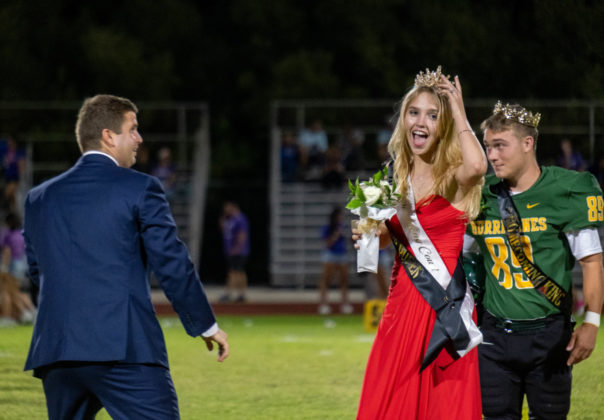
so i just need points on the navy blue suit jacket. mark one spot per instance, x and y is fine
(92, 236)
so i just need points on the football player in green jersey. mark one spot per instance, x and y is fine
(535, 222)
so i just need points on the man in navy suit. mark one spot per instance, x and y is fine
(92, 236)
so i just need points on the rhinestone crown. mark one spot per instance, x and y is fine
(429, 78)
(518, 113)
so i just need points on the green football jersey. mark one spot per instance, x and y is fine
(560, 201)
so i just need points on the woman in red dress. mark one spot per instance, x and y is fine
(439, 166)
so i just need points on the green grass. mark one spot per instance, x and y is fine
(285, 367)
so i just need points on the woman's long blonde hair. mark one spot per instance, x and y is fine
(447, 155)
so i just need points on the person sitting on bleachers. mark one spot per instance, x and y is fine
(351, 143)
(290, 157)
(334, 173)
(313, 145)
(165, 171)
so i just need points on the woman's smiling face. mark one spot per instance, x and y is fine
(421, 123)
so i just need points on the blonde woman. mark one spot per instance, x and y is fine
(423, 364)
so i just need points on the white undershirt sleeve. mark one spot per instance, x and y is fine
(584, 242)
(210, 331)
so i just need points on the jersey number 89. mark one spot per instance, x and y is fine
(502, 256)
(595, 208)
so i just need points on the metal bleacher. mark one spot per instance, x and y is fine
(303, 208)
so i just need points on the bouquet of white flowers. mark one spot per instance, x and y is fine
(374, 201)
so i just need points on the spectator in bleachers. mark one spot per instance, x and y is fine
(290, 157)
(569, 158)
(351, 143)
(236, 241)
(333, 171)
(383, 138)
(165, 170)
(143, 161)
(313, 145)
(12, 157)
(335, 263)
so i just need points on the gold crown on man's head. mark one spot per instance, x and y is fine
(429, 78)
(518, 113)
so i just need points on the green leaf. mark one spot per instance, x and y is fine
(377, 177)
(354, 204)
(360, 195)
(351, 186)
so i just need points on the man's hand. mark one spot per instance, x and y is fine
(223, 345)
(583, 340)
(582, 343)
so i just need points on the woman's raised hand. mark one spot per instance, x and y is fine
(452, 90)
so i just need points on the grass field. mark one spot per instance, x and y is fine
(304, 367)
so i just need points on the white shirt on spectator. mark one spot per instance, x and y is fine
(317, 139)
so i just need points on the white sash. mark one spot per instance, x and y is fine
(426, 253)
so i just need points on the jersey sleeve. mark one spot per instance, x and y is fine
(584, 206)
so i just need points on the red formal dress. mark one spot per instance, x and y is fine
(393, 387)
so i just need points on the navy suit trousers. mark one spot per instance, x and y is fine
(78, 390)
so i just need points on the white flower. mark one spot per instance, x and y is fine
(372, 194)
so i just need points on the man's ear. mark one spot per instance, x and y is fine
(528, 143)
(107, 139)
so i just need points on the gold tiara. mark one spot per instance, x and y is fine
(429, 78)
(518, 113)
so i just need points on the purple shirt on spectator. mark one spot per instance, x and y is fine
(15, 241)
(233, 226)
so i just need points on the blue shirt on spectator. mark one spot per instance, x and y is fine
(337, 247)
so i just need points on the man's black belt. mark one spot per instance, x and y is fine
(511, 326)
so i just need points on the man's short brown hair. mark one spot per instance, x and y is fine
(98, 113)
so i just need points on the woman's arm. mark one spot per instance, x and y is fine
(474, 164)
